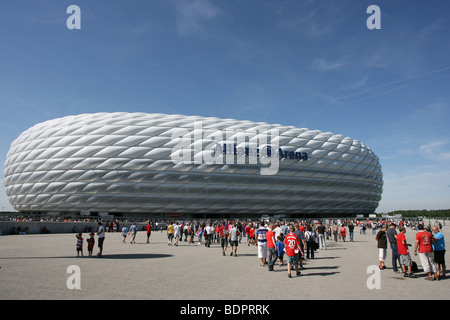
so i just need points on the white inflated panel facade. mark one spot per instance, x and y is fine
(124, 162)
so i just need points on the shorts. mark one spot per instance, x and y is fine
(234, 243)
(170, 236)
(224, 242)
(382, 254)
(100, 242)
(428, 264)
(262, 250)
(439, 257)
(292, 259)
(405, 259)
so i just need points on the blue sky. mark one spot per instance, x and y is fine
(310, 64)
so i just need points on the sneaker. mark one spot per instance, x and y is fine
(298, 274)
(412, 275)
(289, 275)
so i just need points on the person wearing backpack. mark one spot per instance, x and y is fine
(310, 238)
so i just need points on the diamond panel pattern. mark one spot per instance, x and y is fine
(123, 162)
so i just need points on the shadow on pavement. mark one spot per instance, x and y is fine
(106, 256)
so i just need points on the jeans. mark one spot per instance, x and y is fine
(310, 249)
(395, 257)
(322, 242)
(272, 256)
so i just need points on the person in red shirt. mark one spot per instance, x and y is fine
(424, 241)
(149, 231)
(343, 231)
(292, 246)
(223, 233)
(252, 235)
(247, 232)
(271, 247)
(405, 258)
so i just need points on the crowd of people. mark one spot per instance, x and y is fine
(429, 246)
(289, 242)
(299, 240)
(273, 240)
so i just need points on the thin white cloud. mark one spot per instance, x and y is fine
(356, 84)
(431, 29)
(396, 85)
(324, 66)
(435, 150)
(191, 15)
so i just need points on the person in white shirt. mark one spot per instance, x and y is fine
(234, 239)
(124, 233)
(133, 231)
(277, 231)
(101, 238)
(176, 232)
(208, 234)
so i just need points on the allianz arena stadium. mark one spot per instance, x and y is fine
(142, 164)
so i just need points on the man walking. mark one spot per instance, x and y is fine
(321, 232)
(234, 239)
(262, 244)
(392, 238)
(351, 229)
(223, 233)
(293, 249)
(208, 235)
(148, 228)
(271, 247)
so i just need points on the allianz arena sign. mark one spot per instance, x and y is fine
(177, 164)
(239, 146)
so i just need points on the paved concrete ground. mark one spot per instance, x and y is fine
(35, 267)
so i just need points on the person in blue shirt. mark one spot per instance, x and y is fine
(133, 231)
(439, 252)
(280, 249)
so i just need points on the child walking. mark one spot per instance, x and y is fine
(280, 249)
